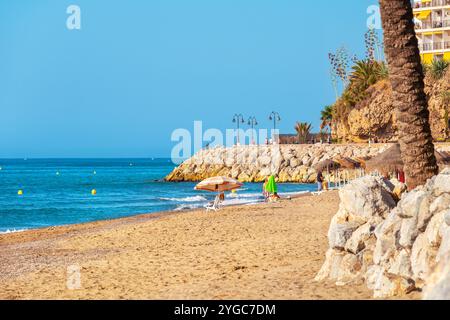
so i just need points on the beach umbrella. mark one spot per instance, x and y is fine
(387, 161)
(218, 184)
(327, 165)
(348, 163)
(391, 161)
(362, 161)
(271, 185)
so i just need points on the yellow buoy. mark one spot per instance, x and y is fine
(20, 192)
(94, 192)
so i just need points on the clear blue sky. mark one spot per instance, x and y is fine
(138, 69)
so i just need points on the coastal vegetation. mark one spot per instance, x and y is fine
(303, 130)
(436, 69)
(364, 106)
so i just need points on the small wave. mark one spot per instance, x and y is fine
(183, 207)
(244, 195)
(12, 230)
(186, 199)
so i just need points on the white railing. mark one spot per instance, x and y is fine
(434, 3)
(433, 25)
(441, 45)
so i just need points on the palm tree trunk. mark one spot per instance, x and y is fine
(409, 99)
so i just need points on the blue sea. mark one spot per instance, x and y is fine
(59, 191)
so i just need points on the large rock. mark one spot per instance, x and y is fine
(365, 198)
(438, 284)
(340, 267)
(441, 183)
(395, 249)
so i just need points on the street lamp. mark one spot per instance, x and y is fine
(252, 122)
(238, 119)
(275, 116)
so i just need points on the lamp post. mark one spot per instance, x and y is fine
(252, 122)
(275, 116)
(238, 119)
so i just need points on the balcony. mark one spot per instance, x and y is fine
(430, 4)
(441, 45)
(433, 25)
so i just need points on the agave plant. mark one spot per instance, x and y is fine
(366, 73)
(438, 68)
(303, 130)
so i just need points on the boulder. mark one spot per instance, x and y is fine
(441, 183)
(366, 197)
(438, 284)
(339, 266)
(358, 239)
(401, 265)
(422, 257)
(432, 231)
(410, 203)
(340, 231)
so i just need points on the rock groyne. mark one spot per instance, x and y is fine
(290, 163)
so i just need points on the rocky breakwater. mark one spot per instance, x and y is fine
(289, 163)
(394, 247)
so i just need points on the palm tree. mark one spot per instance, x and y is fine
(406, 77)
(445, 98)
(303, 129)
(326, 116)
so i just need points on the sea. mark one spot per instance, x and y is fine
(38, 193)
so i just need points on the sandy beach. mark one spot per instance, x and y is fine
(264, 251)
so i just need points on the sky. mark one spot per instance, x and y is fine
(139, 69)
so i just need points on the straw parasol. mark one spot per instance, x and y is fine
(387, 161)
(391, 161)
(348, 163)
(327, 165)
(218, 184)
(362, 161)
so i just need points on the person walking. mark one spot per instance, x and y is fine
(319, 181)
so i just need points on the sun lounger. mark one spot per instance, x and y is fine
(215, 205)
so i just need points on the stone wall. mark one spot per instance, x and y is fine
(394, 247)
(290, 163)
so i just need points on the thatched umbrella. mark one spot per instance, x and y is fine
(362, 161)
(387, 161)
(391, 161)
(348, 163)
(327, 165)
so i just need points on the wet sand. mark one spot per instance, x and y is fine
(264, 251)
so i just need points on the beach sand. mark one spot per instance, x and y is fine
(265, 251)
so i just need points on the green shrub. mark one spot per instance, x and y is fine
(438, 68)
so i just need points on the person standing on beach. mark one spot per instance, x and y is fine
(265, 193)
(319, 181)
